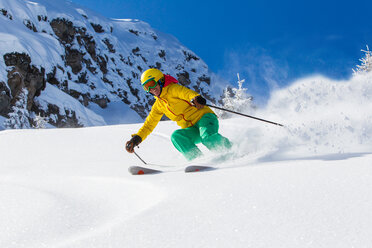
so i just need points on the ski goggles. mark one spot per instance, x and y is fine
(150, 84)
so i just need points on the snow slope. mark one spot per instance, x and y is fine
(306, 185)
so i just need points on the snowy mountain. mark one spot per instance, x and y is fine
(307, 184)
(82, 69)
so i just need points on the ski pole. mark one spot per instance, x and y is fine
(139, 158)
(129, 146)
(259, 119)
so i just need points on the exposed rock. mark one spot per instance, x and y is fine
(42, 18)
(154, 36)
(30, 25)
(136, 32)
(190, 56)
(162, 54)
(205, 79)
(102, 62)
(20, 60)
(51, 77)
(141, 110)
(135, 51)
(74, 59)
(83, 78)
(86, 41)
(15, 82)
(23, 75)
(63, 29)
(101, 101)
(184, 78)
(83, 98)
(6, 14)
(110, 47)
(98, 28)
(66, 32)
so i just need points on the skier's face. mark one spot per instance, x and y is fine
(156, 91)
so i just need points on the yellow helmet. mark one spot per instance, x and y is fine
(151, 74)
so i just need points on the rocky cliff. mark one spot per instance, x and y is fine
(82, 69)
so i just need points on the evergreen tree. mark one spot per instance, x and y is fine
(236, 99)
(39, 122)
(366, 65)
(19, 116)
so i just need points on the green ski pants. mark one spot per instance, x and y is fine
(205, 131)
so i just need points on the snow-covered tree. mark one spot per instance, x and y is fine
(19, 116)
(39, 122)
(236, 99)
(366, 63)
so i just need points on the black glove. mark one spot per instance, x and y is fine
(134, 141)
(199, 102)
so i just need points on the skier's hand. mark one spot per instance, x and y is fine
(134, 141)
(199, 102)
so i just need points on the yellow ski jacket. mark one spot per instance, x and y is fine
(174, 102)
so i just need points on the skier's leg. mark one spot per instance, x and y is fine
(184, 140)
(208, 127)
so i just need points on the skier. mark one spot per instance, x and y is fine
(199, 124)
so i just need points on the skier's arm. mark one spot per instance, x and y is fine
(151, 122)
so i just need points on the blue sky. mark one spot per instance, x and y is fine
(269, 42)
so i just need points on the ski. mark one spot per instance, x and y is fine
(198, 168)
(139, 170)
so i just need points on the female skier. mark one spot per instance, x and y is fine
(199, 124)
